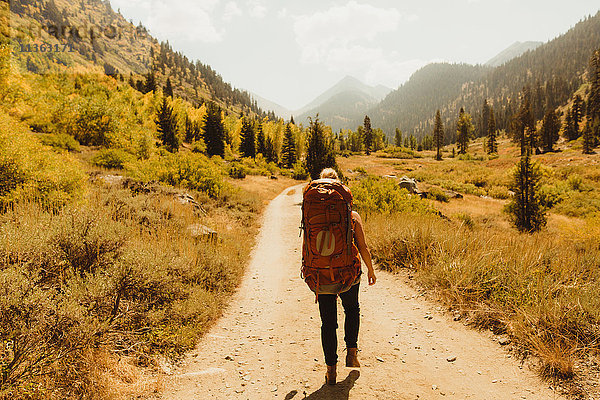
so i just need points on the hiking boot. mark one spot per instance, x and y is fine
(352, 359)
(331, 374)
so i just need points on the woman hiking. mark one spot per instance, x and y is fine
(333, 240)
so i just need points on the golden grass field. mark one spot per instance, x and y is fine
(542, 289)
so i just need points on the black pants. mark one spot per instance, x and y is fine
(328, 311)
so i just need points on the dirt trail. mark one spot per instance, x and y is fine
(267, 344)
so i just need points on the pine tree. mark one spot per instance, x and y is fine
(270, 151)
(248, 139)
(492, 140)
(438, 135)
(588, 139)
(549, 130)
(319, 151)
(464, 131)
(485, 119)
(523, 122)
(412, 142)
(168, 88)
(192, 130)
(292, 120)
(570, 130)
(398, 138)
(150, 84)
(593, 103)
(260, 140)
(214, 131)
(525, 209)
(577, 111)
(288, 148)
(368, 135)
(166, 124)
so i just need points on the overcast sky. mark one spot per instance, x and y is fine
(291, 51)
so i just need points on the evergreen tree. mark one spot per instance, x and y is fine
(150, 84)
(464, 131)
(525, 209)
(577, 111)
(319, 151)
(427, 142)
(166, 125)
(214, 131)
(593, 104)
(270, 151)
(492, 140)
(485, 119)
(368, 135)
(260, 140)
(412, 142)
(168, 88)
(570, 129)
(523, 121)
(192, 130)
(549, 130)
(588, 140)
(288, 147)
(247, 139)
(292, 120)
(398, 138)
(438, 135)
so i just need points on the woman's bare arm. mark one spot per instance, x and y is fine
(359, 235)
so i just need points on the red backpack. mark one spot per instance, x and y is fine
(329, 254)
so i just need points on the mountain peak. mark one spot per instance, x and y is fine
(512, 51)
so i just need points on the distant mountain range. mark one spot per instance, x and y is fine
(514, 50)
(339, 106)
(343, 103)
(553, 71)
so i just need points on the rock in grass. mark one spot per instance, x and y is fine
(451, 359)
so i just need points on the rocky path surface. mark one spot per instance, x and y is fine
(267, 343)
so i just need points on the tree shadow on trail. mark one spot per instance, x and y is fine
(341, 391)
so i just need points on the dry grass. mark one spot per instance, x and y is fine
(541, 289)
(96, 294)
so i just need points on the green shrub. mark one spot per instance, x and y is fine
(360, 170)
(299, 173)
(237, 171)
(466, 220)
(60, 141)
(499, 192)
(31, 172)
(189, 170)
(374, 195)
(575, 182)
(90, 120)
(437, 194)
(111, 158)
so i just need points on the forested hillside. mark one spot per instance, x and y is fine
(554, 71)
(91, 36)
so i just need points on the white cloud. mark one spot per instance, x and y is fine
(338, 27)
(185, 19)
(231, 10)
(257, 9)
(283, 13)
(343, 39)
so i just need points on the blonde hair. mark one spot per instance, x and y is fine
(329, 173)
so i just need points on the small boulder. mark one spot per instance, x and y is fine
(409, 184)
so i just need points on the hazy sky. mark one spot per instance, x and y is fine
(291, 51)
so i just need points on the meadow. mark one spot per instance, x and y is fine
(540, 289)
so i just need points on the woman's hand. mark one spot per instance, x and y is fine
(372, 277)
